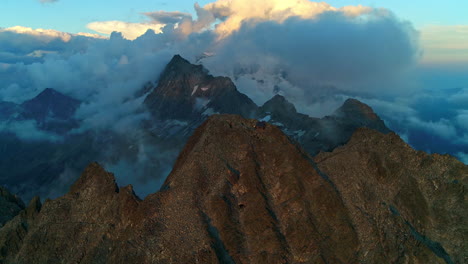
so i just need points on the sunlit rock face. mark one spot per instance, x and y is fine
(244, 194)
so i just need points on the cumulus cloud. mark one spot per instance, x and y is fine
(234, 13)
(310, 56)
(129, 31)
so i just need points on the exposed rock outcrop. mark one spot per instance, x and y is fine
(238, 194)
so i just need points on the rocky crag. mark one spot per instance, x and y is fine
(241, 194)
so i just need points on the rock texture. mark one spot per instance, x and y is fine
(243, 195)
(407, 206)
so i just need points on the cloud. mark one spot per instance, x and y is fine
(129, 31)
(234, 13)
(374, 55)
(48, 1)
(45, 35)
(26, 45)
(27, 130)
(163, 17)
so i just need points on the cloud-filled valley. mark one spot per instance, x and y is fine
(315, 55)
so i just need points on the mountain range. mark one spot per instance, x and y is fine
(249, 184)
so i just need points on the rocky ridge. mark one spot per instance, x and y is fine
(238, 194)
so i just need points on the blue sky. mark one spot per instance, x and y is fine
(73, 15)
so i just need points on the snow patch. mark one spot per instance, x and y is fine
(195, 88)
(266, 118)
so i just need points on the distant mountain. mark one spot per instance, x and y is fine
(240, 194)
(34, 166)
(320, 134)
(50, 104)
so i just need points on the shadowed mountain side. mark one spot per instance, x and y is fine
(186, 90)
(10, 206)
(320, 134)
(243, 195)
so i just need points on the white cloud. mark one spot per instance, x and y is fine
(45, 35)
(130, 31)
(48, 1)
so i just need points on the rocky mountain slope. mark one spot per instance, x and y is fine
(240, 194)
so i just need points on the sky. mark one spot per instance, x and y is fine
(443, 24)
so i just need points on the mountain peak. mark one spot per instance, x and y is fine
(177, 59)
(180, 65)
(95, 181)
(354, 113)
(355, 107)
(185, 90)
(50, 94)
(50, 103)
(279, 104)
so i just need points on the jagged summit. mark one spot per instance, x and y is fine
(352, 107)
(95, 181)
(182, 66)
(354, 114)
(185, 91)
